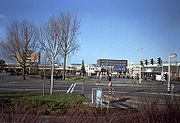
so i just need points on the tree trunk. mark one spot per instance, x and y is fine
(64, 69)
(24, 73)
(52, 76)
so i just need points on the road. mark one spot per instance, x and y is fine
(123, 87)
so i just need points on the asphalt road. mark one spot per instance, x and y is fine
(122, 87)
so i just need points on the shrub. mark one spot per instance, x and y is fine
(178, 79)
(43, 104)
(68, 108)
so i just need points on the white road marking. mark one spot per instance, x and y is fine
(69, 88)
(73, 88)
(165, 94)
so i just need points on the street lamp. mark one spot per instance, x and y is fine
(172, 55)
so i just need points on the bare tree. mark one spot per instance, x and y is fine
(20, 43)
(59, 36)
(50, 33)
(68, 41)
(2, 64)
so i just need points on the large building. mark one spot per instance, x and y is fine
(111, 62)
(113, 66)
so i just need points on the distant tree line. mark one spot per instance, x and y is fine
(56, 38)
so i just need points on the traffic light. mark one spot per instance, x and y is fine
(152, 61)
(159, 61)
(141, 62)
(165, 76)
(146, 62)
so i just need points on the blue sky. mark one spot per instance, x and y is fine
(113, 29)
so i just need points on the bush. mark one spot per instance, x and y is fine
(178, 79)
(43, 104)
(64, 108)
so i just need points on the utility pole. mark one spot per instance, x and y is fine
(162, 70)
(173, 55)
(177, 69)
(169, 74)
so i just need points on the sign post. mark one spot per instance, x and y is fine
(172, 91)
(173, 55)
(97, 96)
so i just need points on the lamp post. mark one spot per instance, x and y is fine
(177, 69)
(172, 55)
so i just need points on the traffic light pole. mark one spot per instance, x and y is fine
(140, 79)
(140, 75)
(173, 55)
(169, 75)
(162, 70)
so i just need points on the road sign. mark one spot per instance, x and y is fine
(119, 67)
(96, 96)
(172, 86)
(173, 55)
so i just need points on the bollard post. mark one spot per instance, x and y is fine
(43, 89)
(172, 91)
(109, 91)
(110, 87)
(168, 88)
(113, 92)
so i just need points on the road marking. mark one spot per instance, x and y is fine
(162, 94)
(117, 85)
(71, 88)
(166, 94)
(28, 89)
(20, 89)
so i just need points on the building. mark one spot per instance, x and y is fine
(91, 69)
(150, 71)
(111, 62)
(113, 66)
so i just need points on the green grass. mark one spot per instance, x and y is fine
(76, 78)
(48, 104)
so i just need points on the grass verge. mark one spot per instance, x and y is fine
(48, 104)
(76, 78)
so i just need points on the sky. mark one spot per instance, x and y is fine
(113, 29)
